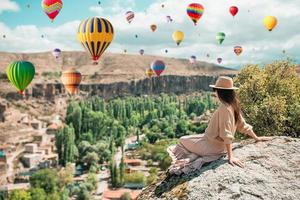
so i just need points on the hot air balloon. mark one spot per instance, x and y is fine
(150, 73)
(125, 50)
(153, 27)
(169, 19)
(166, 51)
(178, 37)
(4, 36)
(219, 60)
(270, 22)
(283, 51)
(195, 12)
(238, 50)
(233, 10)
(129, 16)
(193, 59)
(20, 74)
(99, 2)
(136, 36)
(56, 53)
(95, 35)
(162, 5)
(52, 8)
(71, 80)
(142, 51)
(220, 37)
(158, 67)
(207, 55)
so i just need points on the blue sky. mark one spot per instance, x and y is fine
(24, 26)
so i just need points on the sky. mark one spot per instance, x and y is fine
(24, 25)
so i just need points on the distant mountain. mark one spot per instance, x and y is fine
(111, 67)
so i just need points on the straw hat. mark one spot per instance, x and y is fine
(224, 82)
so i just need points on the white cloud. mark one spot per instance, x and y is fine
(246, 29)
(8, 5)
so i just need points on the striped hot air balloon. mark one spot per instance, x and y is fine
(52, 8)
(129, 16)
(20, 74)
(149, 73)
(95, 35)
(158, 67)
(195, 12)
(238, 50)
(220, 37)
(71, 80)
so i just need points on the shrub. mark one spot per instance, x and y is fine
(270, 98)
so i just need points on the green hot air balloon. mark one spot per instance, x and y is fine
(220, 37)
(20, 74)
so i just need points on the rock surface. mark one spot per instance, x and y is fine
(272, 171)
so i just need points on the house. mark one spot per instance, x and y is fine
(32, 160)
(31, 148)
(117, 194)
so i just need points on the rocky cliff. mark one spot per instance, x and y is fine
(163, 84)
(272, 171)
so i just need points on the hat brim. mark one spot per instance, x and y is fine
(232, 88)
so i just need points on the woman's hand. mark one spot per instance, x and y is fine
(263, 138)
(235, 161)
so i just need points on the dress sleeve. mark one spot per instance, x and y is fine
(225, 126)
(243, 127)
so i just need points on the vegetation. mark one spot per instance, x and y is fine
(95, 128)
(270, 98)
(136, 177)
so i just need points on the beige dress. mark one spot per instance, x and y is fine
(193, 151)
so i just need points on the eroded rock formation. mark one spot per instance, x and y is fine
(272, 171)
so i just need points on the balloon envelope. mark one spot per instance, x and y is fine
(20, 74)
(142, 51)
(233, 10)
(220, 37)
(270, 22)
(219, 60)
(158, 67)
(195, 12)
(71, 80)
(238, 50)
(129, 16)
(178, 37)
(52, 8)
(56, 53)
(150, 73)
(95, 35)
(193, 59)
(153, 27)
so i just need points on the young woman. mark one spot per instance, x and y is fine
(193, 151)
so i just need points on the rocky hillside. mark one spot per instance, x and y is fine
(272, 171)
(111, 68)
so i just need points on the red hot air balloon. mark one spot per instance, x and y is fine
(238, 50)
(52, 8)
(233, 10)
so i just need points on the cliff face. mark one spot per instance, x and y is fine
(164, 84)
(272, 171)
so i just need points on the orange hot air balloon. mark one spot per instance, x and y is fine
(238, 50)
(71, 80)
(153, 27)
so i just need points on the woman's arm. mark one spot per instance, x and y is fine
(232, 160)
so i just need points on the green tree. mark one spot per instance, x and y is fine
(126, 196)
(270, 98)
(38, 194)
(19, 195)
(46, 179)
(91, 158)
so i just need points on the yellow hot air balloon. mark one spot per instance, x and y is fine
(178, 37)
(150, 73)
(270, 22)
(71, 80)
(95, 35)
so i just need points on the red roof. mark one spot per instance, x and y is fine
(131, 161)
